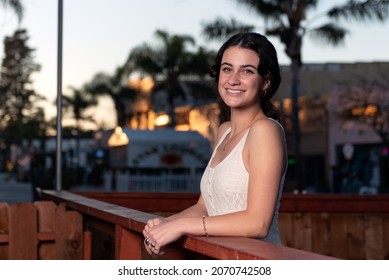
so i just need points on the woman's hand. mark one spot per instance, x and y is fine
(150, 245)
(159, 233)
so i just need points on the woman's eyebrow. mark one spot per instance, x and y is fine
(248, 65)
(241, 66)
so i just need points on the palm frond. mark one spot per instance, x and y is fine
(265, 8)
(368, 10)
(329, 33)
(220, 28)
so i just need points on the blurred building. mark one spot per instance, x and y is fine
(324, 135)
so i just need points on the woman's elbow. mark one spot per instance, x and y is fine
(258, 231)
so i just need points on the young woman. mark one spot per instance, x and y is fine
(242, 184)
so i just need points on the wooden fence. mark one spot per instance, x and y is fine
(117, 232)
(340, 226)
(109, 226)
(42, 230)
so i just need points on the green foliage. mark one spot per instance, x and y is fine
(21, 118)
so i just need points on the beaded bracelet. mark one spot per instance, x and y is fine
(204, 227)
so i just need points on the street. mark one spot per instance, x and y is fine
(12, 191)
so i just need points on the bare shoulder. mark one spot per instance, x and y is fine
(267, 127)
(266, 143)
(266, 134)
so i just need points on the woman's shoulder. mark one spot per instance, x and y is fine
(267, 126)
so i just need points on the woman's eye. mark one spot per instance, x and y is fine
(248, 71)
(226, 69)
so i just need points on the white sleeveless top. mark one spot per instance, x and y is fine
(224, 187)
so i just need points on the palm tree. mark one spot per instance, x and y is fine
(168, 62)
(288, 20)
(78, 102)
(116, 87)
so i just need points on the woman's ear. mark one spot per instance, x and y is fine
(266, 85)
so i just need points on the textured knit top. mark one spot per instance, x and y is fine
(224, 187)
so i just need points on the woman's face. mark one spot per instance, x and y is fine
(240, 84)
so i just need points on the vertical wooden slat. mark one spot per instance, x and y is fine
(321, 233)
(338, 233)
(356, 237)
(23, 232)
(286, 228)
(87, 245)
(4, 229)
(68, 234)
(46, 224)
(303, 231)
(374, 237)
(385, 233)
(128, 245)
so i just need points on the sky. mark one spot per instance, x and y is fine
(98, 36)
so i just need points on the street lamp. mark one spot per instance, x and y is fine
(118, 138)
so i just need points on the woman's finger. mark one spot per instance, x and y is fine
(147, 246)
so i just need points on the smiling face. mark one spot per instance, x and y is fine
(240, 84)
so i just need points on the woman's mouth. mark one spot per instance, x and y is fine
(234, 91)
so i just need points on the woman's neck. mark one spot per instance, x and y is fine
(243, 119)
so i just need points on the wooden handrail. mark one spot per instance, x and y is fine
(127, 225)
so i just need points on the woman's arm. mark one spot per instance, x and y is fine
(196, 210)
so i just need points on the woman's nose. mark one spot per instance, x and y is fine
(234, 78)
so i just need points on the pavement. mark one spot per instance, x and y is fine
(12, 191)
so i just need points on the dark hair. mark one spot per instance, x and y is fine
(268, 65)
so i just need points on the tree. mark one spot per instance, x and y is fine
(78, 102)
(288, 20)
(18, 100)
(116, 87)
(168, 62)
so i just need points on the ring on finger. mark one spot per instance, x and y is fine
(147, 241)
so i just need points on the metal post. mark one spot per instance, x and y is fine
(58, 186)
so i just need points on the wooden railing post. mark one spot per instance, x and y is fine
(23, 232)
(128, 244)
